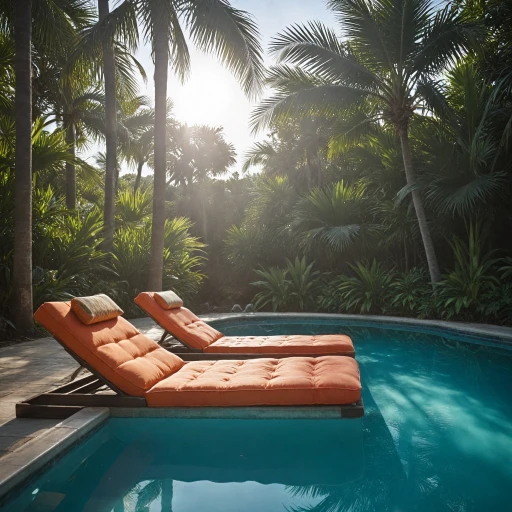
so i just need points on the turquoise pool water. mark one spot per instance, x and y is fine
(436, 436)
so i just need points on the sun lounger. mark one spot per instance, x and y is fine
(197, 335)
(143, 373)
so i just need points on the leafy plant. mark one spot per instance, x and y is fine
(133, 207)
(365, 292)
(130, 261)
(291, 288)
(473, 275)
(243, 245)
(409, 290)
(275, 289)
(506, 269)
(334, 217)
(496, 304)
(303, 283)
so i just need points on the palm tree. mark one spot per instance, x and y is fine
(262, 154)
(214, 26)
(211, 156)
(464, 177)
(197, 154)
(295, 149)
(136, 137)
(22, 269)
(386, 67)
(104, 50)
(136, 130)
(80, 111)
(52, 25)
(109, 73)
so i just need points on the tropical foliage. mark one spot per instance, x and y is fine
(382, 185)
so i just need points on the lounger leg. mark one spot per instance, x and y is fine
(164, 335)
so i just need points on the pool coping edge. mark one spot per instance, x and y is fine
(18, 466)
(498, 332)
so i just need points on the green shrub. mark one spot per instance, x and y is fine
(183, 259)
(474, 276)
(291, 288)
(275, 289)
(366, 291)
(496, 304)
(303, 283)
(409, 292)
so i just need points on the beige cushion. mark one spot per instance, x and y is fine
(94, 309)
(168, 300)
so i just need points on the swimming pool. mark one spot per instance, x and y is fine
(436, 436)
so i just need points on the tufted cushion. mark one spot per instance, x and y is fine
(327, 380)
(290, 344)
(114, 348)
(96, 308)
(180, 322)
(168, 300)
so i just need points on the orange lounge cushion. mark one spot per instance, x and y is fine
(289, 344)
(327, 380)
(114, 348)
(96, 308)
(180, 322)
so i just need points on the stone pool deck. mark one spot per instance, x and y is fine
(29, 368)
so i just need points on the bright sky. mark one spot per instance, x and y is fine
(211, 95)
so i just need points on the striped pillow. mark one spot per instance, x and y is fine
(168, 300)
(94, 309)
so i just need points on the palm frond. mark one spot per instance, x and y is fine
(434, 99)
(157, 16)
(232, 35)
(57, 22)
(360, 22)
(318, 51)
(333, 217)
(322, 101)
(464, 195)
(448, 36)
(350, 131)
(259, 154)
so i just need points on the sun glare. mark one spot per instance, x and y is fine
(212, 96)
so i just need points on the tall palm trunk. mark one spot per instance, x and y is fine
(158, 227)
(70, 168)
(136, 185)
(315, 171)
(109, 70)
(22, 268)
(426, 237)
(203, 198)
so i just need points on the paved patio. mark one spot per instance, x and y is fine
(32, 367)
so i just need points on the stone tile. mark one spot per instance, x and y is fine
(26, 427)
(86, 418)
(14, 398)
(18, 465)
(11, 443)
(6, 412)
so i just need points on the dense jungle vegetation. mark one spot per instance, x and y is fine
(383, 185)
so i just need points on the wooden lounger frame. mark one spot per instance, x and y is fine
(62, 402)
